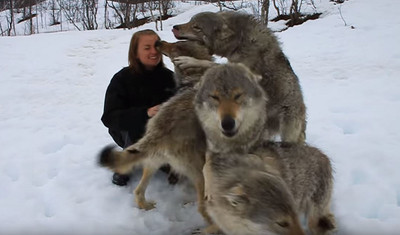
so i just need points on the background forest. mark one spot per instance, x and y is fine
(24, 17)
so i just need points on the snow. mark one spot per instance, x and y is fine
(51, 100)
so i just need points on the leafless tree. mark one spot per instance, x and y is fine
(280, 6)
(163, 7)
(231, 5)
(152, 5)
(291, 10)
(89, 14)
(117, 12)
(125, 11)
(82, 14)
(70, 9)
(166, 6)
(156, 5)
(27, 14)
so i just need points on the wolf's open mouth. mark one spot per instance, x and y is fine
(176, 34)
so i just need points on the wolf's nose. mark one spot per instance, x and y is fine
(228, 124)
(158, 43)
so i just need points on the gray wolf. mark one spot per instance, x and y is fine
(242, 39)
(173, 136)
(281, 183)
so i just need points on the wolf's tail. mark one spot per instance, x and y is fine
(121, 162)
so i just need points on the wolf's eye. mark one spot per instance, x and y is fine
(214, 97)
(238, 96)
(283, 224)
(196, 28)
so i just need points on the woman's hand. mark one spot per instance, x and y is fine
(153, 110)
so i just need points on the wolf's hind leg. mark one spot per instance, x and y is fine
(140, 190)
(293, 130)
(199, 185)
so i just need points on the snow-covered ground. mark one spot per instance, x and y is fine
(51, 100)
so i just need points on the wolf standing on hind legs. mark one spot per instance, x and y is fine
(255, 46)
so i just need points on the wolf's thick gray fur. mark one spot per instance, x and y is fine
(265, 192)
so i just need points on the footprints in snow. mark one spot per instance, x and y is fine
(88, 53)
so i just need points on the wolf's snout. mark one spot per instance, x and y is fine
(175, 31)
(158, 43)
(228, 125)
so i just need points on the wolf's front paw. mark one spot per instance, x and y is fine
(146, 205)
(184, 62)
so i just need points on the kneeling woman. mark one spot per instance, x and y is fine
(135, 93)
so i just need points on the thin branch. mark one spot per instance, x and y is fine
(341, 16)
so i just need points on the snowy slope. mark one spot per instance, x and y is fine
(51, 100)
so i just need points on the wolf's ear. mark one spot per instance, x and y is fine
(254, 76)
(237, 197)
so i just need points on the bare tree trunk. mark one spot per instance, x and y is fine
(294, 12)
(53, 13)
(265, 12)
(31, 27)
(161, 13)
(152, 15)
(2, 31)
(61, 20)
(11, 23)
(220, 5)
(134, 9)
(37, 18)
(107, 23)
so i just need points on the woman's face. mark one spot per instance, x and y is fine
(147, 53)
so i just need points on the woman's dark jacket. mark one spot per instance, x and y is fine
(128, 97)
